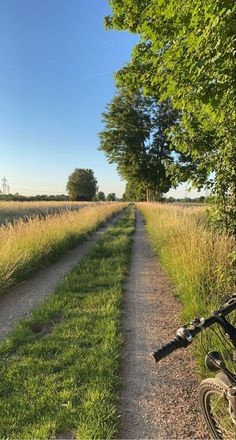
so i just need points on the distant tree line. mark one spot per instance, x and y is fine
(99, 197)
(200, 199)
(38, 198)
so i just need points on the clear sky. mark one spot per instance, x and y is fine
(56, 77)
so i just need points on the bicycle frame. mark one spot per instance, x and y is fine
(215, 361)
(229, 329)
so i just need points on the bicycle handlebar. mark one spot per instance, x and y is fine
(171, 346)
(181, 340)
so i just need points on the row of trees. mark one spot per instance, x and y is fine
(173, 117)
(37, 198)
(101, 197)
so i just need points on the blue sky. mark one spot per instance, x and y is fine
(56, 77)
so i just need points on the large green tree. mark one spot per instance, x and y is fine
(135, 139)
(82, 185)
(186, 53)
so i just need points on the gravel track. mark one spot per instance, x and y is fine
(157, 401)
(19, 301)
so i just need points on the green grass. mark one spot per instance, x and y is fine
(67, 379)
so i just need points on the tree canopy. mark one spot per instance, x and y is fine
(111, 197)
(100, 196)
(186, 54)
(135, 138)
(82, 185)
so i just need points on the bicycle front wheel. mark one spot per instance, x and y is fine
(216, 409)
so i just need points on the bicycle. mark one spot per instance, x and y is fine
(217, 394)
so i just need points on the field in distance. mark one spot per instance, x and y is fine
(11, 211)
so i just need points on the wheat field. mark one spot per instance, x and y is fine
(13, 211)
(27, 246)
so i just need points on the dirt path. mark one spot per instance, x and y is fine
(22, 299)
(158, 401)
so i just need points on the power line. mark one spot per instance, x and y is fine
(40, 190)
(6, 189)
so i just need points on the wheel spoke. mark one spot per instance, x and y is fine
(219, 408)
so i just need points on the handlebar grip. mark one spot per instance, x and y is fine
(167, 349)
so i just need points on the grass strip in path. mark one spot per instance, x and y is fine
(59, 368)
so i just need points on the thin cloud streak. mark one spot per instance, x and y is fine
(95, 75)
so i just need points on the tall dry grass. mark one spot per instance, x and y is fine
(27, 246)
(196, 258)
(198, 261)
(10, 210)
(14, 205)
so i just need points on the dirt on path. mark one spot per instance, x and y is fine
(19, 301)
(158, 401)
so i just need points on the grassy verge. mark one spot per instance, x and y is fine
(196, 258)
(59, 368)
(26, 247)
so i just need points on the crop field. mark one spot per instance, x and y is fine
(199, 261)
(13, 211)
(27, 246)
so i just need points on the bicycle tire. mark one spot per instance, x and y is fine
(215, 408)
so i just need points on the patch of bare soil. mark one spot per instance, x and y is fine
(65, 436)
(19, 301)
(42, 329)
(157, 401)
